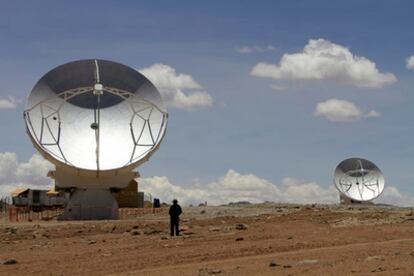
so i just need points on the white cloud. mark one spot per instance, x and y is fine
(342, 111)
(278, 87)
(255, 49)
(410, 62)
(373, 114)
(172, 85)
(234, 187)
(9, 103)
(231, 187)
(29, 174)
(391, 195)
(324, 60)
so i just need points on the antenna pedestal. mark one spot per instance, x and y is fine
(90, 204)
(344, 200)
(90, 196)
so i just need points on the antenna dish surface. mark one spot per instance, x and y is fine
(359, 179)
(95, 115)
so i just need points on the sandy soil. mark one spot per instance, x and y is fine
(264, 239)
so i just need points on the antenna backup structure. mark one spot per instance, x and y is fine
(96, 121)
(359, 180)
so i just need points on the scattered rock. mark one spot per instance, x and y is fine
(372, 258)
(203, 212)
(11, 231)
(151, 232)
(287, 266)
(240, 239)
(164, 238)
(135, 233)
(37, 235)
(106, 255)
(214, 229)
(206, 271)
(309, 262)
(8, 261)
(184, 228)
(135, 227)
(290, 237)
(110, 228)
(379, 269)
(273, 263)
(91, 242)
(241, 226)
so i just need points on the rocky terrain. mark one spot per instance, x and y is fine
(246, 239)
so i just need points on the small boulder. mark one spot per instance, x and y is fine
(135, 233)
(273, 263)
(214, 229)
(184, 228)
(309, 262)
(374, 258)
(8, 261)
(241, 226)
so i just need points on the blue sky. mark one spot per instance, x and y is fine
(250, 127)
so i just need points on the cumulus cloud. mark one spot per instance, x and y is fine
(278, 87)
(373, 114)
(180, 91)
(231, 187)
(31, 174)
(342, 111)
(391, 195)
(255, 49)
(410, 62)
(324, 60)
(8, 103)
(234, 187)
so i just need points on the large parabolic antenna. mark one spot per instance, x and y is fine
(359, 179)
(96, 120)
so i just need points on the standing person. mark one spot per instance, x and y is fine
(175, 212)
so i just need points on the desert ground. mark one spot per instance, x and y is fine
(248, 239)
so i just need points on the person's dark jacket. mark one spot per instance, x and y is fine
(175, 211)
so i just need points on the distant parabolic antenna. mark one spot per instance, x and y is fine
(359, 179)
(96, 120)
